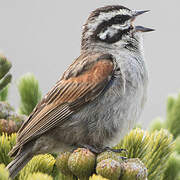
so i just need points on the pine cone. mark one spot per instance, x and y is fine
(109, 168)
(62, 163)
(82, 163)
(133, 169)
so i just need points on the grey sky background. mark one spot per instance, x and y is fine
(43, 37)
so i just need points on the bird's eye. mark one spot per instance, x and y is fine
(123, 24)
(122, 20)
(120, 26)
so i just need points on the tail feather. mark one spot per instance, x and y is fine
(18, 163)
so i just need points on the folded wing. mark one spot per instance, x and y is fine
(83, 81)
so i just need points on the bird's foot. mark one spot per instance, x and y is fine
(94, 150)
(97, 151)
(115, 150)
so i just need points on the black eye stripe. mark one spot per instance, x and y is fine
(118, 19)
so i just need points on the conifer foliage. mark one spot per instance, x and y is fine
(5, 77)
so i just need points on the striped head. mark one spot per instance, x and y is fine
(112, 27)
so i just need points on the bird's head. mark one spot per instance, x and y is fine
(113, 27)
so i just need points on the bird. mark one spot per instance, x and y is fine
(100, 96)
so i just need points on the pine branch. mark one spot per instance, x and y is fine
(39, 176)
(173, 115)
(39, 163)
(4, 174)
(30, 93)
(6, 144)
(4, 94)
(5, 66)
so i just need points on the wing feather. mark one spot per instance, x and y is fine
(77, 87)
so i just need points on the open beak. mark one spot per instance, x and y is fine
(137, 13)
(141, 28)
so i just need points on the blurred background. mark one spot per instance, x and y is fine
(43, 37)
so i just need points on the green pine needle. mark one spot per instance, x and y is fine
(6, 144)
(173, 167)
(4, 174)
(157, 124)
(5, 66)
(136, 143)
(5, 81)
(39, 176)
(152, 149)
(30, 93)
(173, 115)
(4, 94)
(39, 163)
(177, 144)
(160, 148)
(5, 78)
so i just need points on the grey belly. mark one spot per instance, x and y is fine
(107, 119)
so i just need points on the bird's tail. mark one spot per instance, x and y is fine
(20, 160)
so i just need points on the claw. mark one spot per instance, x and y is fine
(117, 150)
(124, 158)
